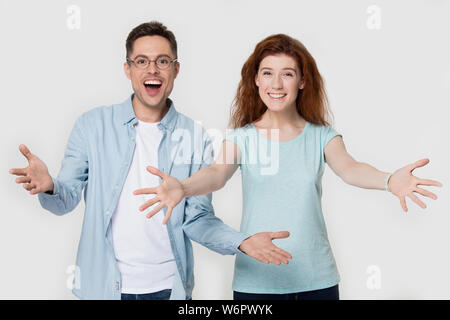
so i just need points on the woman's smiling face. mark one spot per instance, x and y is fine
(278, 80)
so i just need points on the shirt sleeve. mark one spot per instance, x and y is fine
(72, 177)
(327, 134)
(237, 136)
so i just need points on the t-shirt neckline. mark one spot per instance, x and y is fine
(282, 142)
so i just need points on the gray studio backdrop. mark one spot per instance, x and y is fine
(387, 74)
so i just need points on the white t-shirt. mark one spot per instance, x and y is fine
(142, 247)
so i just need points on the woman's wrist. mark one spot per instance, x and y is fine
(386, 182)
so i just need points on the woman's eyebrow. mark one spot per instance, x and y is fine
(288, 68)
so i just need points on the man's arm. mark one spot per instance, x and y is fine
(72, 177)
(60, 195)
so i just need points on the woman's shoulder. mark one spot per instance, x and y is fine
(241, 131)
(315, 126)
(319, 128)
(322, 134)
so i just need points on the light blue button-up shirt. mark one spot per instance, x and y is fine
(97, 158)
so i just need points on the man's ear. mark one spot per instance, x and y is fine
(177, 68)
(126, 68)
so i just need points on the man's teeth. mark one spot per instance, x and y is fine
(152, 82)
(277, 95)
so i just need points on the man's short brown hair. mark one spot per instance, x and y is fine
(152, 28)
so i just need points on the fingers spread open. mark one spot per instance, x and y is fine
(261, 257)
(279, 234)
(426, 193)
(276, 258)
(155, 171)
(18, 171)
(156, 210)
(29, 186)
(403, 204)
(428, 182)
(417, 200)
(25, 151)
(419, 163)
(23, 180)
(145, 191)
(149, 203)
(282, 252)
(168, 214)
(35, 191)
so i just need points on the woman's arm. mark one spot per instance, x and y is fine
(401, 183)
(348, 169)
(213, 178)
(171, 191)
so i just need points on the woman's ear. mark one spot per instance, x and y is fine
(302, 84)
(256, 80)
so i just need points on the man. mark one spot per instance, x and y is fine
(122, 254)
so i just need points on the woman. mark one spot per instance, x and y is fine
(281, 142)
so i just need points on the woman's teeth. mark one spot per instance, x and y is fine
(277, 95)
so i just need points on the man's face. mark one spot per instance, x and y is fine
(151, 85)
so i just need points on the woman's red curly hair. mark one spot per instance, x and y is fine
(312, 102)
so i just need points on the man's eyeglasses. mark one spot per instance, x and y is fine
(162, 62)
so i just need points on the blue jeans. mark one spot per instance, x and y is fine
(331, 293)
(160, 295)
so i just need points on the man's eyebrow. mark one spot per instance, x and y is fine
(140, 56)
(144, 56)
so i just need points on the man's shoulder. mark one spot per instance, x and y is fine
(187, 123)
(184, 120)
(96, 112)
(105, 112)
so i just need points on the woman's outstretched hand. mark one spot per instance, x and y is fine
(403, 184)
(169, 193)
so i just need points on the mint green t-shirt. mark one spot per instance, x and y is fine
(282, 189)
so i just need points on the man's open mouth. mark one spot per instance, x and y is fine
(152, 86)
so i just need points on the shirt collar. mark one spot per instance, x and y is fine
(168, 121)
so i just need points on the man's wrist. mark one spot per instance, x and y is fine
(242, 243)
(51, 188)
